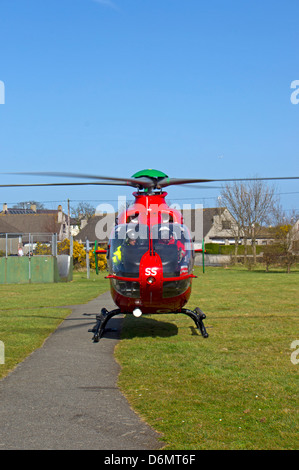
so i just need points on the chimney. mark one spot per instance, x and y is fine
(33, 207)
(59, 214)
(83, 223)
(5, 208)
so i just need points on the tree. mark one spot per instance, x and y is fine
(271, 255)
(252, 204)
(232, 197)
(260, 203)
(282, 251)
(28, 204)
(83, 210)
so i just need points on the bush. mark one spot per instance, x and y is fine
(212, 248)
(277, 254)
(79, 254)
(102, 261)
(217, 249)
(42, 249)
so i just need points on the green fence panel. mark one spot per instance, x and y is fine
(36, 269)
(42, 269)
(2, 270)
(17, 269)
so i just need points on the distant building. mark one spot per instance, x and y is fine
(33, 220)
(214, 225)
(96, 229)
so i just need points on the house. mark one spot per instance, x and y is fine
(214, 225)
(264, 236)
(96, 229)
(219, 226)
(33, 220)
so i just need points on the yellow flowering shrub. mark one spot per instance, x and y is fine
(102, 261)
(42, 249)
(79, 253)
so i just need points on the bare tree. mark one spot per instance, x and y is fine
(28, 204)
(83, 210)
(233, 198)
(286, 239)
(252, 205)
(260, 204)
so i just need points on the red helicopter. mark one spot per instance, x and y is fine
(150, 257)
(150, 253)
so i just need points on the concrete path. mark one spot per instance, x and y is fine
(64, 395)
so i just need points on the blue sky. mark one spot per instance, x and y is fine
(192, 88)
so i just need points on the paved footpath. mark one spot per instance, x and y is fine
(64, 396)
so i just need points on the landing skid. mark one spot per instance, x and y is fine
(197, 316)
(102, 319)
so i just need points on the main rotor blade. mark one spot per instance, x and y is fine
(142, 182)
(63, 184)
(135, 182)
(176, 181)
(198, 186)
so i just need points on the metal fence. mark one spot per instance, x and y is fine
(34, 257)
(29, 244)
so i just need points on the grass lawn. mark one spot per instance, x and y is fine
(25, 319)
(237, 389)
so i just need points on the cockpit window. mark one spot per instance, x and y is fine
(128, 243)
(173, 244)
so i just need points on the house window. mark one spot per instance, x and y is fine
(226, 225)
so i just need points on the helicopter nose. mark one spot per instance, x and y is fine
(137, 312)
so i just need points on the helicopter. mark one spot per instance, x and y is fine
(150, 253)
(150, 258)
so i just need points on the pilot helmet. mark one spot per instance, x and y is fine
(131, 235)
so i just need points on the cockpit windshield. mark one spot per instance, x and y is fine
(173, 244)
(128, 243)
(171, 241)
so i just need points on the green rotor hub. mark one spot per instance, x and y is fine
(150, 174)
